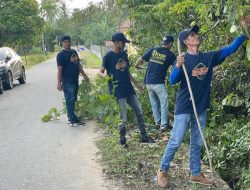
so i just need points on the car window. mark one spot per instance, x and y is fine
(12, 52)
(2, 54)
(8, 53)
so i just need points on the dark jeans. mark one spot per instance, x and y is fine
(70, 94)
(134, 103)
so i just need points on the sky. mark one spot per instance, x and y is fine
(72, 4)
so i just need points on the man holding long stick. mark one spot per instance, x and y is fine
(199, 67)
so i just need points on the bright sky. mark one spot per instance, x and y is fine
(73, 4)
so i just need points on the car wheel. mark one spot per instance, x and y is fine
(1, 86)
(22, 79)
(8, 84)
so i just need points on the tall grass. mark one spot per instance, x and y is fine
(34, 59)
(90, 60)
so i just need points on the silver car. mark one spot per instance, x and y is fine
(11, 68)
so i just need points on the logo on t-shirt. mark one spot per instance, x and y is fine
(121, 65)
(200, 71)
(157, 57)
(74, 58)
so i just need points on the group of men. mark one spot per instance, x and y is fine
(199, 67)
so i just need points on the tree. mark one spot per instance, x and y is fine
(20, 23)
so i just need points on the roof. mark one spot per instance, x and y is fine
(124, 25)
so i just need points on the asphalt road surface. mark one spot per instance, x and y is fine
(45, 156)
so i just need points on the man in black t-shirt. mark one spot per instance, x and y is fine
(69, 67)
(159, 59)
(116, 64)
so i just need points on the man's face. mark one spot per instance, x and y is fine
(169, 45)
(192, 39)
(66, 44)
(122, 45)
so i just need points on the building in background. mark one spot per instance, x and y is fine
(124, 27)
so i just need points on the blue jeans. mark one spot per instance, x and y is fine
(182, 123)
(158, 97)
(134, 103)
(70, 94)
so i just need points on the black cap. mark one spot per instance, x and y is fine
(119, 37)
(184, 33)
(66, 37)
(167, 39)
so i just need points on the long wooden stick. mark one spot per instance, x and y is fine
(195, 111)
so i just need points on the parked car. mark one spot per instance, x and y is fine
(11, 68)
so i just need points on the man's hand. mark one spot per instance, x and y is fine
(101, 73)
(59, 86)
(138, 63)
(139, 67)
(180, 61)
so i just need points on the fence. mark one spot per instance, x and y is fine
(99, 50)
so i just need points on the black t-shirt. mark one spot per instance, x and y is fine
(117, 66)
(69, 61)
(200, 69)
(159, 59)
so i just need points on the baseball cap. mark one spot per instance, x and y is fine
(184, 33)
(66, 37)
(167, 39)
(119, 37)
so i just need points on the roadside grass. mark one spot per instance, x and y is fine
(35, 59)
(90, 60)
(137, 165)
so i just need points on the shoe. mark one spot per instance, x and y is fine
(68, 122)
(80, 122)
(147, 140)
(163, 129)
(201, 179)
(74, 125)
(162, 179)
(157, 126)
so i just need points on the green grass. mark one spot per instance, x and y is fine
(137, 165)
(34, 59)
(90, 60)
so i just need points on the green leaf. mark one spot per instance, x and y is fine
(233, 28)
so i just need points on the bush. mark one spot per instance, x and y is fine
(95, 102)
(232, 152)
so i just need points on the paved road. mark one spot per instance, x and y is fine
(44, 156)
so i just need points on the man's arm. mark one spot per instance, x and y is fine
(102, 72)
(230, 49)
(85, 76)
(146, 57)
(176, 74)
(139, 62)
(59, 78)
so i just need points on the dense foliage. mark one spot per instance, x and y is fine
(20, 23)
